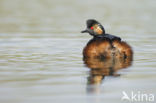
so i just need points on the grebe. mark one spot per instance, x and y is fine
(105, 54)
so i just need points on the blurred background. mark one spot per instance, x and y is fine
(41, 49)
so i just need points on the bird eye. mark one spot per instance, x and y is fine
(91, 28)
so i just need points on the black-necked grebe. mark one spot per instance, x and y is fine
(104, 45)
(105, 54)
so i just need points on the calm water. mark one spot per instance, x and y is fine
(41, 50)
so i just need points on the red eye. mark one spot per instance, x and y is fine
(91, 28)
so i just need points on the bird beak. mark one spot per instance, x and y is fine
(84, 31)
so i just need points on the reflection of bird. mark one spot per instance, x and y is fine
(104, 53)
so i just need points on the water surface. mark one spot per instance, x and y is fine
(41, 49)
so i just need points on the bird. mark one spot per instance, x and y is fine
(105, 53)
(104, 45)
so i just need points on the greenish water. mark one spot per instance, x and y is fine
(41, 49)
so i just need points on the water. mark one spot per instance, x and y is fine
(41, 50)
